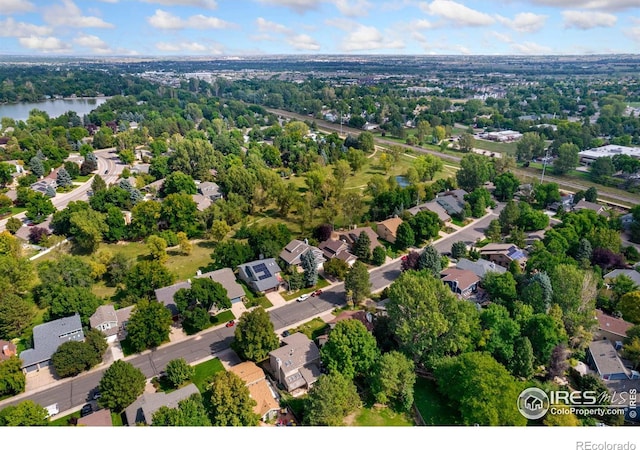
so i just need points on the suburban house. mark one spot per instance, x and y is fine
(337, 249)
(47, 337)
(294, 250)
(503, 254)
(45, 185)
(140, 168)
(462, 282)
(262, 275)
(7, 350)
(154, 187)
(351, 236)
(141, 410)
(480, 267)
(296, 365)
(202, 202)
(225, 277)
(612, 328)
(452, 201)
(387, 229)
(432, 206)
(100, 418)
(604, 359)
(598, 209)
(210, 190)
(361, 316)
(565, 203)
(634, 275)
(267, 401)
(111, 322)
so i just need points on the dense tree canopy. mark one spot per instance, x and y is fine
(350, 350)
(120, 385)
(255, 336)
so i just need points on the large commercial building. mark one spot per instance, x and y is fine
(587, 157)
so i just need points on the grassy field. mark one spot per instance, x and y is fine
(205, 370)
(432, 406)
(380, 417)
(498, 147)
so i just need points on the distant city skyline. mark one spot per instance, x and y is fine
(376, 27)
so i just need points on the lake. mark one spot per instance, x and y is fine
(53, 107)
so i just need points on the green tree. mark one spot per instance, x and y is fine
(425, 225)
(87, 227)
(459, 250)
(601, 169)
(231, 403)
(474, 171)
(477, 401)
(362, 247)
(405, 236)
(178, 182)
(149, 325)
(13, 225)
(310, 266)
(500, 333)
(521, 365)
(16, 315)
(219, 229)
(121, 385)
(506, 186)
(350, 350)
(63, 179)
(255, 336)
(427, 319)
(231, 253)
(427, 166)
(189, 413)
(336, 268)
(629, 306)
(357, 282)
(39, 207)
(568, 158)
(178, 210)
(501, 288)
(494, 231)
(145, 277)
(36, 166)
(392, 381)
(178, 371)
(12, 378)
(356, 159)
(5, 173)
(378, 256)
(546, 193)
(330, 400)
(184, 243)
(157, 248)
(544, 334)
(25, 414)
(144, 219)
(430, 260)
(64, 301)
(73, 357)
(530, 146)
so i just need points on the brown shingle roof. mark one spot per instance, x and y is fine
(612, 324)
(465, 278)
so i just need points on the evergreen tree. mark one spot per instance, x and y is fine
(310, 266)
(405, 236)
(36, 166)
(430, 260)
(362, 247)
(63, 178)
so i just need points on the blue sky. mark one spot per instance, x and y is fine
(255, 27)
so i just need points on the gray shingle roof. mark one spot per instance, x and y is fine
(292, 253)
(228, 281)
(297, 352)
(48, 336)
(165, 295)
(270, 279)
(143, 408)
(635, 276)
(104, 313)
(606, 358)
(480, 267)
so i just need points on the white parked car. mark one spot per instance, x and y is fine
(52, 410)
(302, 298)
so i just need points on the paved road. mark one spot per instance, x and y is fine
(107, 161)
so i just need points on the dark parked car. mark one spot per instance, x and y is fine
(86, 410)
(285, 333)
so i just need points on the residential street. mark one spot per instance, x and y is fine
(72, 393)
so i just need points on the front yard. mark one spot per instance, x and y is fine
(379, 417)
(322, 283)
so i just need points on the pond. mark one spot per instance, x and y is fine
(53, 107)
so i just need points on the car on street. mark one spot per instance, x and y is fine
(286, 333)
(96, 395)
(230, 324)
(317, 293)
(86, 410)
(302, 298)
(52, 410)
(106, 171)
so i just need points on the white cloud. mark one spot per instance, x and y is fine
(366, 38)
(96, 44)
(69, 15)
(606, 5)
(502, 37)
(422, 24)
(303, 42)
(11, 28)
(45, 44)
(524, 22)
(15, 6)
(531, 48)
(207, 4)
(299, 6)
(191, 47)
(167, 21)
(457, 13)
(266, 26)
(353, 8)
(586, 20)
(342, 24)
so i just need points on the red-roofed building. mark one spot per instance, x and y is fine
(611, 328)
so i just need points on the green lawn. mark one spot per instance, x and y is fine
(381, 417)
(312, 329)
(219, 319)
(117, 419)
(82, 178)
(252, 299)
(322, 283)
(64, 421)
(204, 371)
(432, 405)
(498, 147)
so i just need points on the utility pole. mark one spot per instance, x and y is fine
(544, 165)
